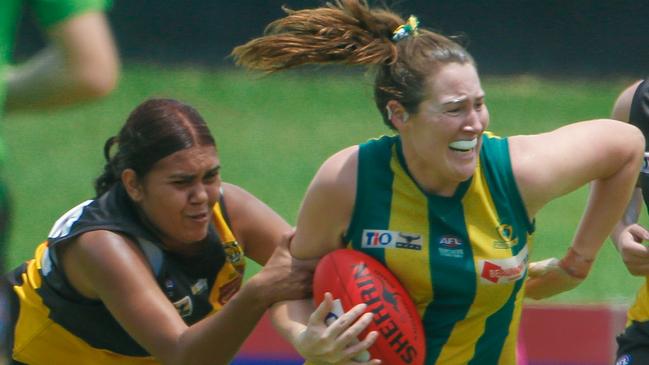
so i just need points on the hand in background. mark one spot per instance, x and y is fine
(634, 253)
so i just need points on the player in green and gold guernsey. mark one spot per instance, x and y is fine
(150, 271)
(446, 206)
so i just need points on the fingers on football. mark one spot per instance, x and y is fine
(348, 320)
(358, 351)
(318, 316)
(350, 336)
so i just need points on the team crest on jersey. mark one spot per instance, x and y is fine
(232, 251)
(377, 238)
(503, 271)
(507, 235)
(184, 306)
(451, 246)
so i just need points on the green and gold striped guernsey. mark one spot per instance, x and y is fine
(463, 258)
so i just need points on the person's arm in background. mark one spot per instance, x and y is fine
(80, 63)
(628, 235)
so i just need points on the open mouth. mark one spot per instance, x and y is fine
(463, 146)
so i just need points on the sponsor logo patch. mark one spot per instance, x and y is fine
(451, 246)
(199, 287)
(503, 271)
(377, 238)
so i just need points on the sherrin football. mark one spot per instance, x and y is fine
(353, 277)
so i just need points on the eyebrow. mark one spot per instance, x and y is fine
(182, 175)
(460, 100)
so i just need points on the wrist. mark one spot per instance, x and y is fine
(575, 264)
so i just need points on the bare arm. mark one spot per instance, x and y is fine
(80, 63)
(322, 221)
(605, 153)
(259, 228)
(109, 267)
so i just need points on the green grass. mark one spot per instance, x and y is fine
(273, 133)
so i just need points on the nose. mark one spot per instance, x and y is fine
(199, 194)
(475, 121)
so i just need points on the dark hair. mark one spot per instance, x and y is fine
(350, 32)
(155, 129)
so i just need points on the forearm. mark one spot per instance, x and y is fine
(607, 203)
(80, 63)
(290, 317)
(217, 339)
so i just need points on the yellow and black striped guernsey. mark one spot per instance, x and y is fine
(463, 259)
(56, 325)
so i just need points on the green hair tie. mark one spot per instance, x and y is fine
(406, 30)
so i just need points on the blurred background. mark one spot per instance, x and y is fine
(543, 64)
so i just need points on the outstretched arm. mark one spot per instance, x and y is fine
(605, 153)
(80, 63)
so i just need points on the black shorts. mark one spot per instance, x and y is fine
(633, 345)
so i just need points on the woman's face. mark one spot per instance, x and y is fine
(178, 194)
(442, 139)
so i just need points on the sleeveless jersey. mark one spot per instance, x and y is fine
(639, 116)
(56, 325)
(463, 259)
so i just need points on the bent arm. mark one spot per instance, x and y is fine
(606, 153)
(322, 221)
(80, 63)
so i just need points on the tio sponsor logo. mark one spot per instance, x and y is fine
(377, 238)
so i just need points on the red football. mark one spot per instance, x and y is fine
(353, 277)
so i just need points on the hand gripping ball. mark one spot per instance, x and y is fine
(353, 277)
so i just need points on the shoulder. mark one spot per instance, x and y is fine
(622, 106)
(339, 169)
(98, 255)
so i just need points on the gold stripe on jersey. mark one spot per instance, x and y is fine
(230, 277)
(409, 214)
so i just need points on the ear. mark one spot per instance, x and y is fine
(132, 184)
(397, 114)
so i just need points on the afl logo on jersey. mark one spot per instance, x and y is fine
(451, 246)
(377, 238)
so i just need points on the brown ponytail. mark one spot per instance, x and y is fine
(350, 32)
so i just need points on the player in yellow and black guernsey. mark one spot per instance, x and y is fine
(446, 206)
(632, 106)
(151, 270)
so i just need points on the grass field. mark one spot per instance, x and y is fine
(273, 133)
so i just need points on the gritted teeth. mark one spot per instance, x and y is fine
(463, 145)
